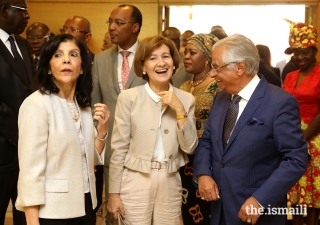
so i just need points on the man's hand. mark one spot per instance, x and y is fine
(208, 188)
(250, 211)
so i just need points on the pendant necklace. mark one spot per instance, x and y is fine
(74, 110)
(198, 82)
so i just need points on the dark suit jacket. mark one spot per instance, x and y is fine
(15, 86)
(270, 76)
(266, 154)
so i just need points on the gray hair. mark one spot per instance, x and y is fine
(239, 49)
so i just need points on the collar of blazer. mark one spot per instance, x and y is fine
(14, 65)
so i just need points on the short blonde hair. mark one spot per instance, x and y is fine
(145, 49)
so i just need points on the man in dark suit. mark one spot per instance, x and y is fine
(124, 24)
(252, 150)
(37, 35)
(15, 82)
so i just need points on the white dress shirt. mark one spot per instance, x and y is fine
(4, 38)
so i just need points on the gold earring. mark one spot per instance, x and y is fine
(205, 65)
(49, 72)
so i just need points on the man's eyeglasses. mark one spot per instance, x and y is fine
(117, 22)
(22, 9)
(38, 38)
(72, 29)
(215, 69)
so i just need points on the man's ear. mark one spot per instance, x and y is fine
(88, 37)
(241, 67)
(136, 27)
(3, 10)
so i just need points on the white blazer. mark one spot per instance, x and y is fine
(50, 159)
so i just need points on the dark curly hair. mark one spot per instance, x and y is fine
(44, 82)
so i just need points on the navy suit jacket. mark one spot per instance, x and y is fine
(266, 154)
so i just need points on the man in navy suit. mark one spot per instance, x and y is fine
(247, 172)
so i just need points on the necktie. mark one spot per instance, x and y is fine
(16, 55)
(231, 118)
(125, 68)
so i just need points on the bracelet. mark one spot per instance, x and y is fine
(102, 139)
(180, 117)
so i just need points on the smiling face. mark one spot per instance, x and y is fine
(227, 78)
(159, 67)
(194, 59)
(305, 57)
(65, 65)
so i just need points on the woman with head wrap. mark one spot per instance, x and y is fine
(197, 61)
(304, 84)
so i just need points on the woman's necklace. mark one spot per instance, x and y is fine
(198, 82)
(75, 110)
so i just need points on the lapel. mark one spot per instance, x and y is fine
(26, 57)
(114, 72)
(131, 77)
(253, 104)
(88, 134)
(13, 64)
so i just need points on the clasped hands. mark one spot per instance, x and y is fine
(209, 191)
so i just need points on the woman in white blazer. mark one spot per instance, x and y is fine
(154, 129)
(58, 144)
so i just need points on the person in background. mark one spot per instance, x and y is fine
(265, 55)
(290, 66)
(106, 42)
(80, 28)
(58, 143)
(112, 69)
(197, 61)
(184, 37)
(37, 35)
(180, 75)
(242, 164)
(304, 84)
(219, 32)
(16, 80)
(148, 150)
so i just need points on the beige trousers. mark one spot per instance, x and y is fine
(151, 198)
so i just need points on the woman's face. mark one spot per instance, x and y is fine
(159, 66)
(194, 60)
(305, 57)
(65, 64)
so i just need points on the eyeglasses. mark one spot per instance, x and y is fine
(22, 9)
(117, 22)
(72, 29)
(220, 67)
(38, 38)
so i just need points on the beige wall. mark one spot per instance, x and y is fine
(55, 12)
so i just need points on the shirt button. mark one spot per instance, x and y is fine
(170, 157)
(221, 165)
(166, 131)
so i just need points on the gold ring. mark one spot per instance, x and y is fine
(248, 220)
(103, 116)
(202, 198)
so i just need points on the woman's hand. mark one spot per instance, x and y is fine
(114, 205)
(32, 215)
(102, 115)
(170, 99)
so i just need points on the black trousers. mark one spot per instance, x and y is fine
(88, 219)
(8, 190)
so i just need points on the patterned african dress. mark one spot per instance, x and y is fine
(307, 190)
(195, 210)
